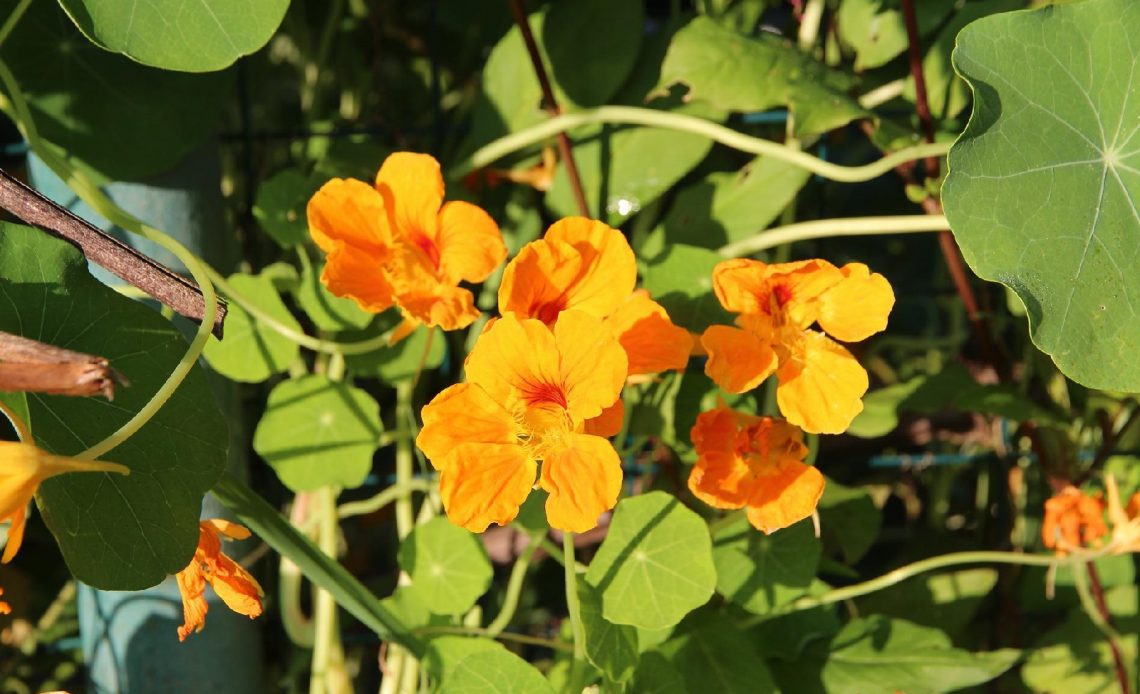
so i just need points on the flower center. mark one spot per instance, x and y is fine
(542, 422)
(422, 242)
(548, 312)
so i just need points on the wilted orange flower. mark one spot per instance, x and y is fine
(1073, 520)
(238, 589)
(820, 384)
(529, 392)
(754, 462)
(584, 265)
(23, 466)
(393, 244)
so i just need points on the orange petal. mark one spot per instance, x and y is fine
(787, 495)
(536, 282)
(584, 480)
(349, 212)
(15, 533)
(609, 422)
(592, 365)
(5, 608)
(485, 483)
(234, 531)
(462, 413)
(738, 360)
(858, 306)
(470, 245)
(448, 307)
(192, 586)
(739, 285)
(821, 386)
(721, 480)
(237, 588)
(649, 338)
(791, 289)
(514, 358)
(609, 269)
(412, 189)
(358, 274)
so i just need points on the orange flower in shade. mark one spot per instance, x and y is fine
(820, 384)
(584, 265)
(530, 390)
(754, 462)
(23, 466)
(234, 585)
(5, 608)
(397, 244)
(1073, 520)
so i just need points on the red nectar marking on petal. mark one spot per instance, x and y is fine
(548, 312)
(426, 245)
(545, 394)
(783, 294)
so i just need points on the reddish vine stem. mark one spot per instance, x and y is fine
(565, 148)
(1101, 605)
(921, 104)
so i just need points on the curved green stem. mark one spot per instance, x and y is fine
(385, 497)
(826, 228)
(504, 636)
(13, 19)
(632, 115)
(404, 518)
(514, 586)
(574, 607)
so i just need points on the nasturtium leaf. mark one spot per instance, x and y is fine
(786, 635)
(494, 671)
(729, 206)
(115, 532)
(714, 656)
(409, 607)
(680, 279)
(124, 120)
(1075, 657)
(1044, 183)
(252, 351)
(317, 432)
(401, 360)
(328, 311)
(655, 565)
(445, 652)
(876, 32)
(880, 413)
(760, 572)
(590, 71)
(656, 675)
(448, 566)
(727, 70)
(280, 207)
(612, 648)
(849, 519)
(186, 35)
(945, 601)
(876, 655)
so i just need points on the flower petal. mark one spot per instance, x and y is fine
(192, 585)
(485, 483)
(787, 495)
(821, 386)
(513, 360)
(234, 531)
(535, 283)
(791, 289)
(448, 307)
(237, 588)
(592, 365)
(15, 533)
(412, 189)
(858, 306)
(584, 480)
(348, 212)
(649, 338)
(358, 274)
(462, 413)
(470, 245)
(738, 360)
(609, 269)
(608, 423)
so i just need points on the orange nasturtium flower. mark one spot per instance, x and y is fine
(1073, 520)
(584, 265)
(821, 385)
(5, 608)
(528, 394)
(398, 244)
(23, 466)
(238, 589)
(754, 462)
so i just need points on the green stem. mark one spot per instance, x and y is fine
(385, 497)
(632, 115)
(326, 637)
(556, 554)
(13, 19)
(574, 607)
(404, 519)
(841, 226)
(323, 571)
(504, 636)
(514, 586)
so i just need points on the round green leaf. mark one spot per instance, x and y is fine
(448, 566)
(318, 432)
(123, 119)
(115, 532)
(714, 656)
(187, 35)
(327, 310)
(758, 571)
(1044, 186)
(610, 647)
(281, 204)
(251, 350)
(655, 564)
(445, 652)
(401, 360)
(494, 671)
(680, 279)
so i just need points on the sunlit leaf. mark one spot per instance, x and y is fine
(612, 648)
(448, 566)
(494, 671)
(758, 571)
(252, 351)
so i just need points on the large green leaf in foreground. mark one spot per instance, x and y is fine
(189, 35)
(1044, 183)
(121, 533)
